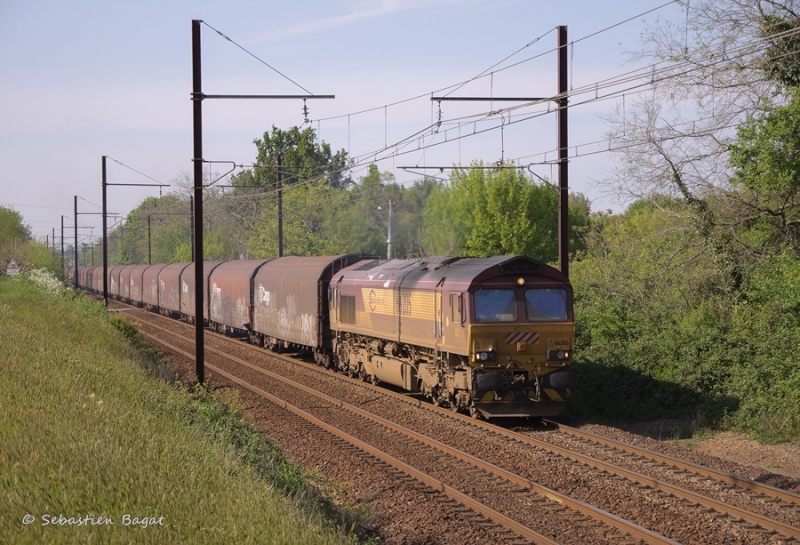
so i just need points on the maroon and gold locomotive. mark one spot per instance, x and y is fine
(492, 335)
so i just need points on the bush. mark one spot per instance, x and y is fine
(661, 334)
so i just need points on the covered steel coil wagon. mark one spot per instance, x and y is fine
(290, 306)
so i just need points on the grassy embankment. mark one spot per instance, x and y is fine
(95, 449)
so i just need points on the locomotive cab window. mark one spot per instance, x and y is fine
(546, 304)
(495, 305)
(457, 312)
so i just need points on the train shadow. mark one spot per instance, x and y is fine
(616, 395)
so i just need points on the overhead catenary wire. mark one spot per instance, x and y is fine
(90, 202)
(579, 97)
(642, 78)
(287, 78)
(138, 172)
(603, 90)
(493, 68)
(422, 146)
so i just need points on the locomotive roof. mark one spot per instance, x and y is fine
(467, 270)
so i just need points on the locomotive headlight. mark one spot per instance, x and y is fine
(485, 356)
(557, 355)
(483, 350)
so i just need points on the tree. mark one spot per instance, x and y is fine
(691, 287)
(717, 129)
(766, 159)
(362, 222)
(444, 231)
(309, 212)
(16, 242)
(650, 326)
(155, 230)
(408, 218)
(302, 159)
(779, 27)
(711, 77)
(13, 234)
(493, 212)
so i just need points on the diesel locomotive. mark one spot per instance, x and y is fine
(490, 336)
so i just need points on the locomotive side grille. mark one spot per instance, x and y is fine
(347, 309)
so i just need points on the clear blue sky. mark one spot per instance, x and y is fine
(83, 79)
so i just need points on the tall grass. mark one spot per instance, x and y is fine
(94, 449)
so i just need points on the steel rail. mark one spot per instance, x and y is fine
(740, 482)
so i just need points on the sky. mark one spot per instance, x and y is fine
(91, 78)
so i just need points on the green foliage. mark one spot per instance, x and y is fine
(38, 256)
(782, 59)
(320, 219)
(109, 441)
(307, 167)
(309, 211)
(442, 232)
(12, 230)
(665, 331)
(155, 230)
(768, 320)
(484, 212)
(17, 243)
(361, 222)
(512, 216)
(302, 158)
(766, 159)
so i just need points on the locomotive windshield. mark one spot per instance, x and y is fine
(546, 304)
(496, 305)
(541, 305)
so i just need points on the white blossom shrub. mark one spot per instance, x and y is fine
(47, 281)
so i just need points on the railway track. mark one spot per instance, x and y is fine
(542, 503)
(482, 475)
(783, 499)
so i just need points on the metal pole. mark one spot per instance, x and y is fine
(197, 98)
(75, 279)
(280, 208)
(62, 248)
(563, 155)
(149, 246)
(389, 234)
(191, 223)
(105, 236)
